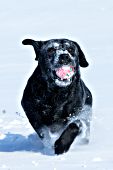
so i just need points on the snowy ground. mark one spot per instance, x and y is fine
(88, 22)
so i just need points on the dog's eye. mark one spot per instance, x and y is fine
(71, 50)
(51, 50)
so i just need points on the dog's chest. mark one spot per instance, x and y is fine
(56, 107)
(53, 107)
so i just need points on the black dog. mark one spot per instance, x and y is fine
(55, 100)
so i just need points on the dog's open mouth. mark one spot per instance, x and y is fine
(64, 75)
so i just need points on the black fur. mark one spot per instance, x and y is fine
(66, 139)
(48, 105)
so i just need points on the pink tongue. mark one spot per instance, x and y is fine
(65, 72)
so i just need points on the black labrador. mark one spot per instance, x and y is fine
(56, 100)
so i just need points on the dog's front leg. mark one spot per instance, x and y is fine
(67, 137)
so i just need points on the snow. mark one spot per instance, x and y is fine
(90, 24)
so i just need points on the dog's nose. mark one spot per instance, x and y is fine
(64, 59)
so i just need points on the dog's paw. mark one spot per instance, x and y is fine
(59, 147)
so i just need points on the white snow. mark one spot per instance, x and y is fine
(88, 22)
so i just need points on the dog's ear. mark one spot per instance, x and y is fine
(35, 44)
(82, 60)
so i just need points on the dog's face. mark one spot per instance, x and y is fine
(59, 59)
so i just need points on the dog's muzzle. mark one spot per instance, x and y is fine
(64, 59)
(64, 68)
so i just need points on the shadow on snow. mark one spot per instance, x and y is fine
(17, 142)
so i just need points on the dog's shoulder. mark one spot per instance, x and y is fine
(87, 94)
(35, 84)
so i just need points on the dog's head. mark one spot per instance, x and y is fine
(59, 59)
